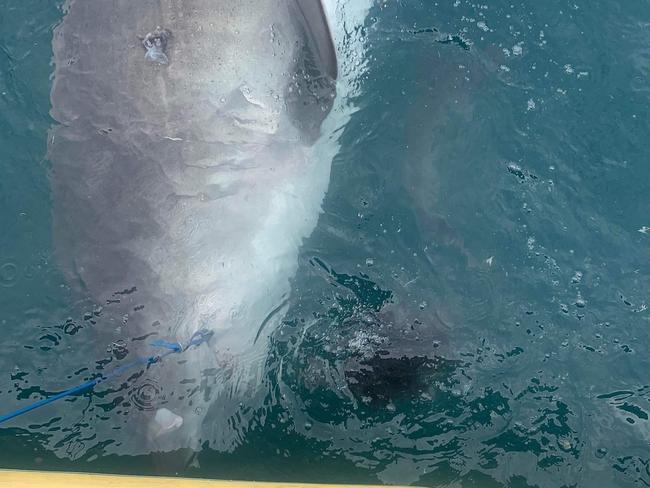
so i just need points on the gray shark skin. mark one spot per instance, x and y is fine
(184, 179)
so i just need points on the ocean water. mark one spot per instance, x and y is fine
(471, 309)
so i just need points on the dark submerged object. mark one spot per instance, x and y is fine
(382, 379)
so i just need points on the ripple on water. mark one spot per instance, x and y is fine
(8, 274)
(145, 395)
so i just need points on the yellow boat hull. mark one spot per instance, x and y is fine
(52, 479)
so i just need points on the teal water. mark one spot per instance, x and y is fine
(488, 208)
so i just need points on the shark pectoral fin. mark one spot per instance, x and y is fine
(314, 91)
(319, 36)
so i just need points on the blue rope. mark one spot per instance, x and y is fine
(197, 339)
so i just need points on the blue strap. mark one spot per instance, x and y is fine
(173, 346)
(45, 401)
(197, 338)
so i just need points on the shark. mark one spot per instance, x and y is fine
(187, 167)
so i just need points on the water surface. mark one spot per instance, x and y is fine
(472, 308)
